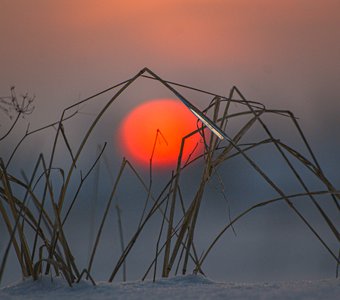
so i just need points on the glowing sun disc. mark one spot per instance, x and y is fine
(168, 120)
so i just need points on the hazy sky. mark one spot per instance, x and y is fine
(62, 50)
(285, 54)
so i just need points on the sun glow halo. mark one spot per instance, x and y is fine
(168, 120)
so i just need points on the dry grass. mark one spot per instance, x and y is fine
(42, 212)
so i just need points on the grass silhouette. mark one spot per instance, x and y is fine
(42, 212)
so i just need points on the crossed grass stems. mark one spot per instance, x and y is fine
(49, 251)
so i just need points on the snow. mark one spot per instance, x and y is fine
(180, 287)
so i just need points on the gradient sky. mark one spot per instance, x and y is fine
(285, 54)
(60, 49)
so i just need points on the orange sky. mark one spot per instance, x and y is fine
(280, 52)
(200, 31)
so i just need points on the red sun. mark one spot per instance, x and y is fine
(169, 121)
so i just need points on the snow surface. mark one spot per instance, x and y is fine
(180, 287)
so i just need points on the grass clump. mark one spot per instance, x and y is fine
(35, 209)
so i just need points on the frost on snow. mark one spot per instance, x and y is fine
(180, 287)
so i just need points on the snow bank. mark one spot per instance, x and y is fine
(181, 287)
